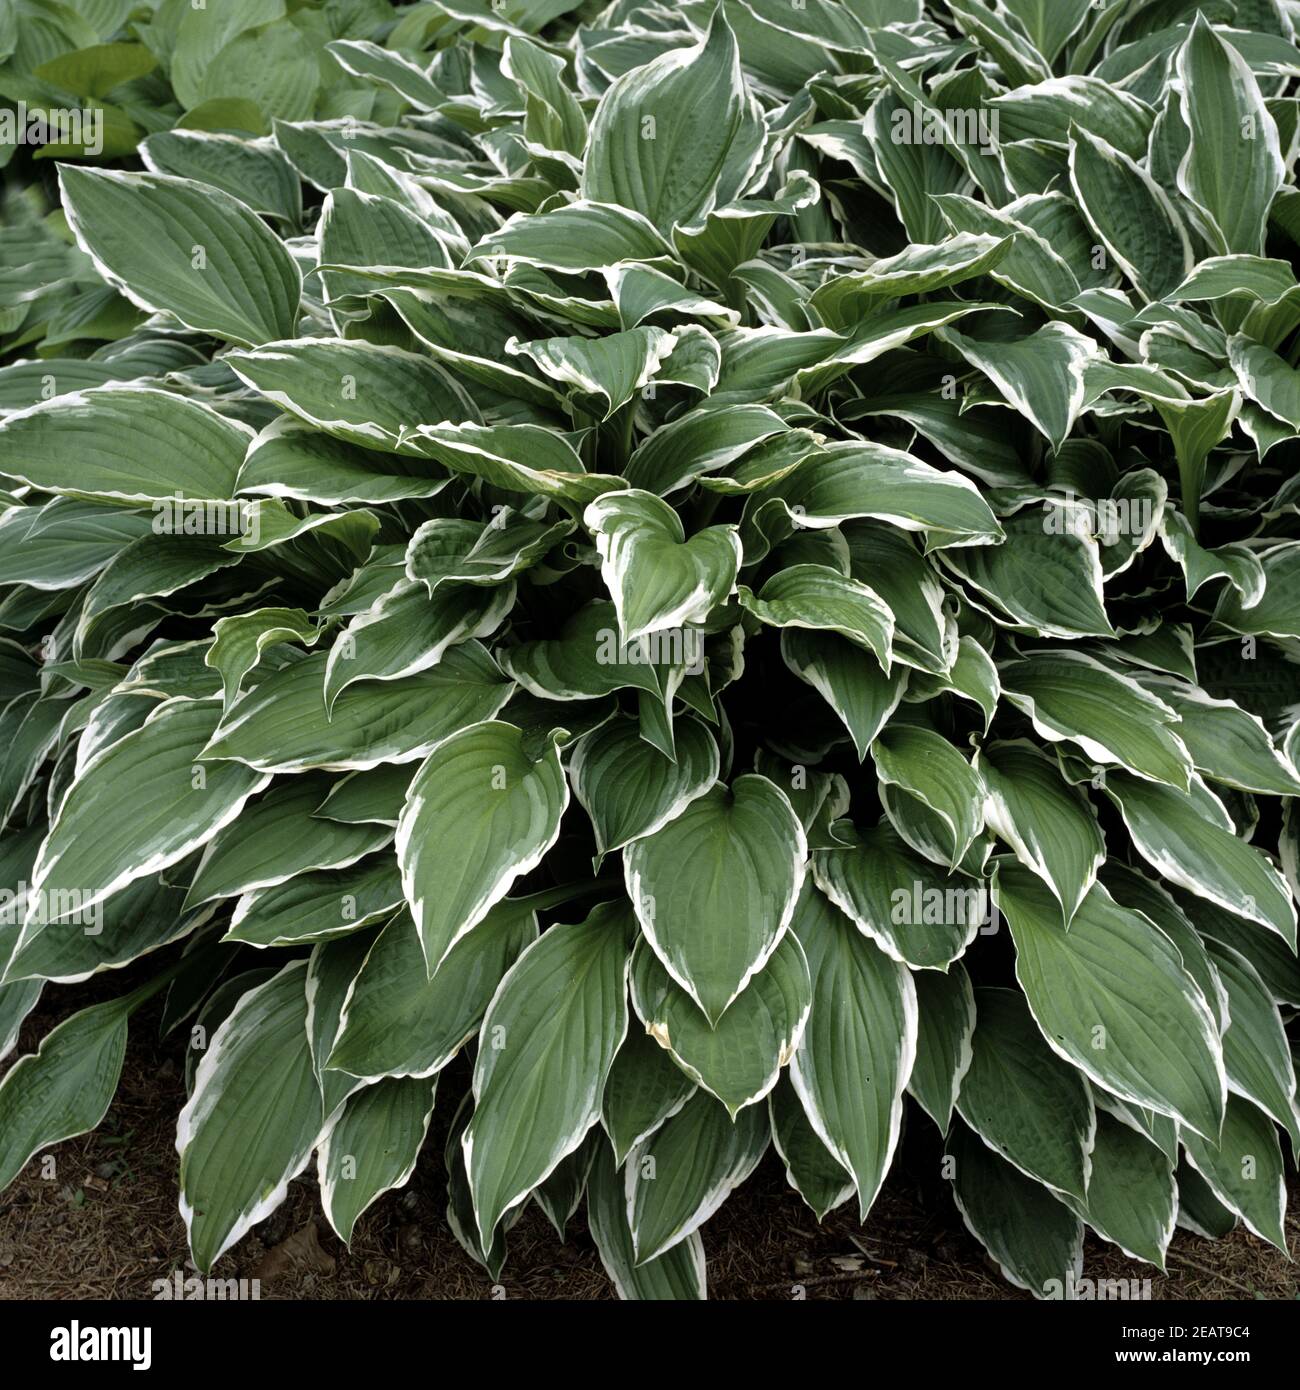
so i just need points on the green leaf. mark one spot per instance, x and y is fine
(645, 1087)
(915, 764)
(676, 1275)
(629, 788)
(179, 800)
(1023, 1101)
(869, 480)
(1131, 215)
(399, 1022)
(180, 247)
(479, 813)
(280, 725)
(810, 1168)
(1173, 833)
(1233, 165)
(274, 840)
(611, 369)
(914, 911)
(1245, 1170)
(319, 904)
(689, 99)
(580, 237)
(1226, 743)
(701, 442)
(1046, 112)
(1256, 1053)
(1102, 1020)
(1274, 611)
(946, 1022)
(1051, 827)
(362, 393)
(65, 543)
(740, 1058)
(409, 630)
(585, 661)
(1132, 1197)
(849, 679)
(253, 1119)
(678, 1177)
(1035, 1240)
(239, 641)
(715, 888)
(126, 444)
(517, 458)
(857, 1051)
(657, 576)
(1112, 719)
(449, 551)
(1040, 375)
(1045, 577)
(372, 1148)
(201, 34)
(552, 1031)
(914, 270)
(64, 1088)
(1266, 379)
(255, 173)
(290, 459)
(818, 597)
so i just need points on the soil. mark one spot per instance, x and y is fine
(105, 1225)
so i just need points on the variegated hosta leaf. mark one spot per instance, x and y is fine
(1132, 1197)
(1035, 1239)
(1051, 827)
(810, 1167)
(945, 1026)
(678, 1177)
(181, 801)
(1101, 1025)
(715, 888)
(658, 576)
(1109, 716)
(848, 679)
(688, 99)
(274, 840)
(867, 480)
(1190, 841)
(858, 1049)
(1244, 1170)
(629, 788)
(372, 1147)
(399, 1022)
(739, 1059)
(65, 1087)
(280, 726)
(126, 444)
(817, 597)
(478, 814)
(253, 1119)
(914, 911)
(644, 1088)
(1233, 165)
(677, 1274)
(187, 249)
(550, 1035)
(1022, 1100)
(918, 765)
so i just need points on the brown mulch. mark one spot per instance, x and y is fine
(105, 1226)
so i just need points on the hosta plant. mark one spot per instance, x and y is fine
(736, 563)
